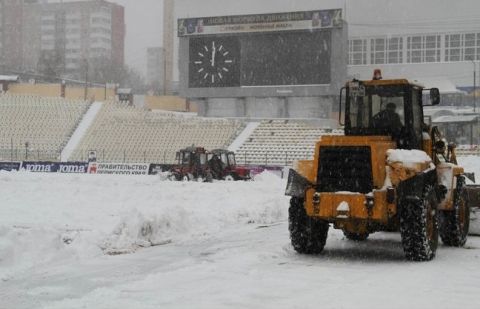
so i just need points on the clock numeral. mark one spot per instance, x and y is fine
(206, 75)
(201, 70)
(206, 48)
(228, 61)
(201, 55)
(225, 69)
(220, 75)
(198, 62)
(220, 48)
(226, 53)
(213, 78)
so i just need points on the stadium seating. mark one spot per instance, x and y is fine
(36, 128)
(123, 133)
(280, 142)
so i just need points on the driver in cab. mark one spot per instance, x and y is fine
(388, 119)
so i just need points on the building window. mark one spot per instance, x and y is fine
(357, 52)
(386, 50)
(395, 50)
(378, 48)
(423, 49)
(453, 47)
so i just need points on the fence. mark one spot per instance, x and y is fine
(26, 154)
(268, 158)
(277, 158)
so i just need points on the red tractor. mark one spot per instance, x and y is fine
(191, 165)
(223, 166)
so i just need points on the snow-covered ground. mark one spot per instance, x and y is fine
(98, 241)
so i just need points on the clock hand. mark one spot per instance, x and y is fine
(214, 50)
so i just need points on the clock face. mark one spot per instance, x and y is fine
(214, 62)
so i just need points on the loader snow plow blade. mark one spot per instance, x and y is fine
(473, 192)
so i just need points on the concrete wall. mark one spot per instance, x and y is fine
(269, 107)
(310, 107)
(93, 94)
(44, 90)
(55, 90)
(169, 103)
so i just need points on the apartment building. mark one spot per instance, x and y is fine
(61, 37)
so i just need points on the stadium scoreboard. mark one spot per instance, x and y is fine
(248, 54)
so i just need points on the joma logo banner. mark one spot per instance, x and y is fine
(55, 167)
(38, 167)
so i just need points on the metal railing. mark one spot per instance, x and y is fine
(25, 154)
(283, 158)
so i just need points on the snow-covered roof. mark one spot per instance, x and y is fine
(460, 118)
(124, 91)
(444, 85)
(9, 78)
(437, 111)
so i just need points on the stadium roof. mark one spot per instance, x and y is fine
(9, 78)
(444, 85)
(449, 119)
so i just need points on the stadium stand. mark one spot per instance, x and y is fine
(280, 142)
(36, 128)
(122, 133)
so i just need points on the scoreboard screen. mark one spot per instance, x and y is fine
(261, 59)
(276, 59)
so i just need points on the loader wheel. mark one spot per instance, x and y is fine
(419, 228)
(356, 236)
(454, 224)
(308, 235)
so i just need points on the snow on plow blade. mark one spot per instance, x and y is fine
(473, 192)
(296, 184)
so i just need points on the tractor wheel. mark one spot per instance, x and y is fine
(209, 177)
(187, 177)
(172, 177)
(356, 236)
(419, 228)
(454, 224)
(229, 178)
(308, 235)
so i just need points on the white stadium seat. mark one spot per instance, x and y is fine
(44, 124)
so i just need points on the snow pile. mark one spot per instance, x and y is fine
(45, 217)
(199, 210)
(407, 156)
(471, 164)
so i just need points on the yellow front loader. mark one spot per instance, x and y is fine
(389, 172)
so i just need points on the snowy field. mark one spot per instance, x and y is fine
(92, 241)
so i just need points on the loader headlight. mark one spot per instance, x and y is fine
(316, 198)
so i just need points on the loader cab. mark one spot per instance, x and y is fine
(385, 107)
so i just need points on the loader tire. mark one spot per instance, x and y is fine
(356, 236)
(419, 227)
(454, 224)
(308, 235)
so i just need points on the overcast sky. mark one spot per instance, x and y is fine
(144, 29)
(144, 17)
